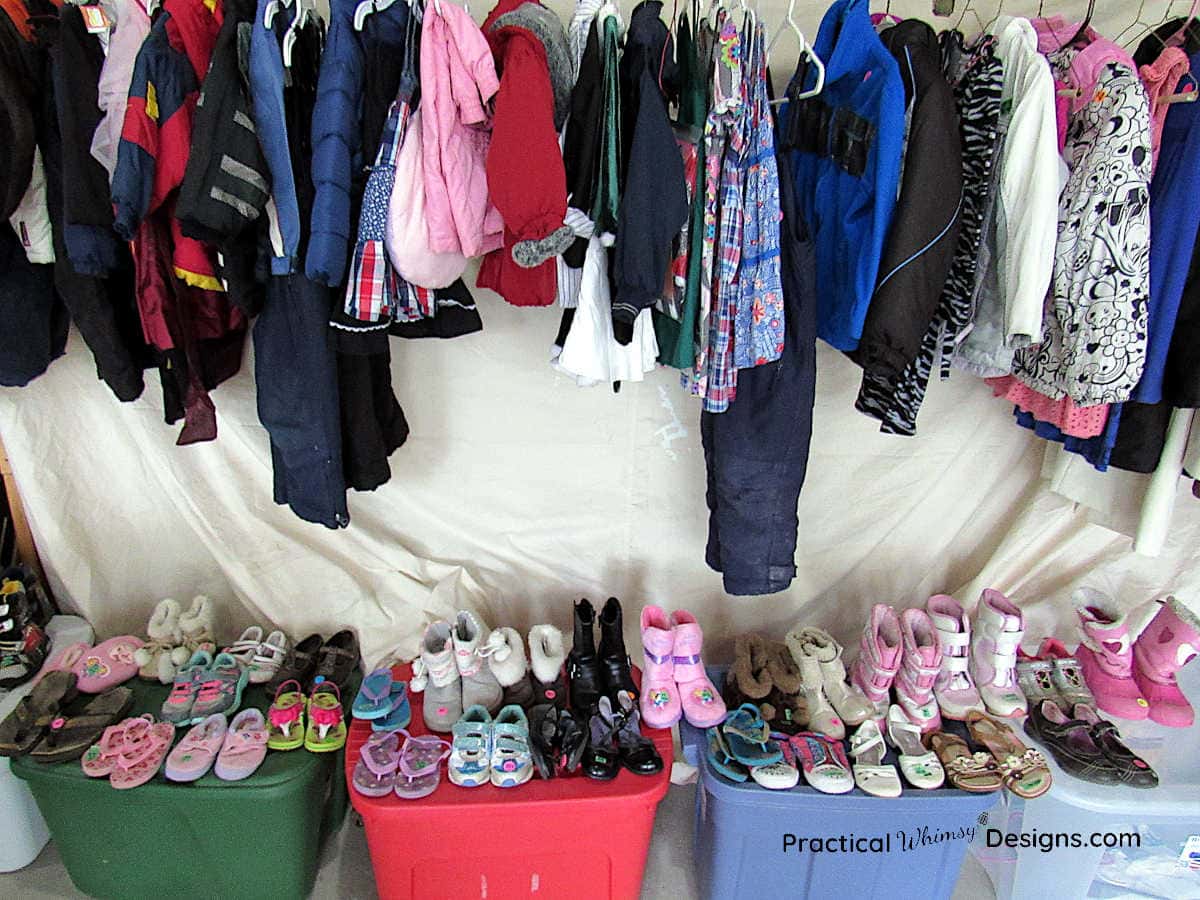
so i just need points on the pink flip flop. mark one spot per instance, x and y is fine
(107, 665)
(419, 769)
(244, 748)
(195, 754)
(101, 758)
(64, 660)
(375, 773)
(141, 763)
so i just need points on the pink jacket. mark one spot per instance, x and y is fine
(458, 78)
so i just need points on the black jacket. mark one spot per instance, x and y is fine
(924, 231)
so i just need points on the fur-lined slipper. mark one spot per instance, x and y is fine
(748, 679)
(531, 254)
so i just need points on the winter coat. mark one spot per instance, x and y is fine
(130, 29)
(458, 80)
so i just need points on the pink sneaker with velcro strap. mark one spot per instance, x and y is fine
(878, 659)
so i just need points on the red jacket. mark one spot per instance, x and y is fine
(525, 174)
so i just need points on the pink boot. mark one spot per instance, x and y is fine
(1106, 657)
(660, 696)
(878, 658)
(1165, 646)
(702, 704)
(919, 667)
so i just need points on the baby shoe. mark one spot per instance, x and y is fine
(583, 665)
(878, 661)
(547, 658)
(244, 748)
(919, 668)
(271, 653)
(614, 658)
(245, 647)
(177, 708)
(661, 707)
(955, 691)
(337, 660)
(164, 635)
(471, 749)
(197, 623)
(702, 704)
(436, 676)
(510, 667)
(511, 762)
(479, 685)
(1106, 655)
(220, 688)
(194, 755)
(326, 730)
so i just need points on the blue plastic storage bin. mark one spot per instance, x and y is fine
(751, 842)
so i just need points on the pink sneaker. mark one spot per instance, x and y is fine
(1166, 645)
(878, 658)
(660, 695)
(701, 702)
(1106, 655)
(919, 668)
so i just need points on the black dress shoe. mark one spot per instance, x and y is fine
(613, 657)
(602, 759)
(1070, 743)
(583, 666)
(1131, 768)
(638, 753)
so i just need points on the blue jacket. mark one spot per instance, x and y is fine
(337, 133)
(849, 140)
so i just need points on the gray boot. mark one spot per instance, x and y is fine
(479, 685)
(435, 674)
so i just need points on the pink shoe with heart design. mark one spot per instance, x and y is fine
(701, 702)
(108, 664)
(660, 701)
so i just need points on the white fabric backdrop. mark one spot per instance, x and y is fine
(519, 492)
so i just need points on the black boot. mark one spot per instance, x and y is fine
(583, 666)
(613, 657)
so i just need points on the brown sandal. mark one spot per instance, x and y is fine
(976, 773)
(1025, 771)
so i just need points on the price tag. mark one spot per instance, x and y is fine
(1189, 857)
(943, 7)
(95, 19)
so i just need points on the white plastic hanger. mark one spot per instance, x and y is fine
(306, 10)
(806, 52)
(367, 7)
(273, 6)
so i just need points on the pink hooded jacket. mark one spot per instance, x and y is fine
(458, 78)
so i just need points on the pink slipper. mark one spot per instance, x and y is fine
(107, 664)
(244, 747)
(702, 704)
(64, 660)
(660, 696)
(144, 757)
(195, 754)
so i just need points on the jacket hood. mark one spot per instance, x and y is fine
(911, 33)
(195, 27)
(648, 46)
(547, 29)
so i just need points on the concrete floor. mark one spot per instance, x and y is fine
(345, 872)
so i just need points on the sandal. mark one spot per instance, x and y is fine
(418, 770)
(375, 773)
(400, 713)
(975, 773)
(101, 758)
(286, 718)
(824, 761)
(142, 760)
(70, 736)
(374, 700)
(920, 767)
(747, 735)
(779, 776)
(244, 747)
(721, 760)
(326, 730)
(1024, 769)
(24, 726)
(870, 774)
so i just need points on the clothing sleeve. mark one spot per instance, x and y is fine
(921, 240)
(133, 180)
(889, 153)
(653, 209)
(1029, 190)
(525, 172)
(336, 140)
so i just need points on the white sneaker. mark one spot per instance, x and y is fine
(471, 750)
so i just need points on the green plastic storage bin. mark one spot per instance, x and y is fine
(259, 838)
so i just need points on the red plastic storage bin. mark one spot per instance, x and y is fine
(571, 838)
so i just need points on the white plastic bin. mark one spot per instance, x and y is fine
(1167, 816)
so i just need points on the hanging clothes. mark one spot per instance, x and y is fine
(1161, 78)
(129, 29)
(976, 75)
(848, 144)
(1009, 307)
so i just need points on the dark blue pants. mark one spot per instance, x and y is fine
(296, 374)
(756, 452)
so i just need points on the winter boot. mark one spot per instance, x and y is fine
(1106, 655)
(955, 691)
(547, 654)
(920, 665)
(660, 694)
(479, 685)
(510, 667)
(702, 704)
(436, 675)
(584, 671)
(849, 702)
(822, 717)
(614, 659)
(874, 670)
(1166, 645)
(997, 632)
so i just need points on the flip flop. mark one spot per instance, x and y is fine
(70, 736)
(418, 770)
(747, 734)
(286, 718)
(195, 754)
(326, 730)
(1025, 771)
(244, 747)
(24, 726)
(975, 773)
(101, 758)
(375, 773)
(374, 700)
(142, 762)
(108, 664)
(400, 713)
(721, 759)
(824, 761)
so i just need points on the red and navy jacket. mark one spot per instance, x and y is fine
(157, 133)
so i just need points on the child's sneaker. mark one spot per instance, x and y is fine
(471, 752)
(512, 763)
(177, 708)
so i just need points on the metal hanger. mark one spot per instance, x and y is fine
(1086, 23)
(1133, 26)
(1189, 96)
(1180, 36)
(994, 19)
